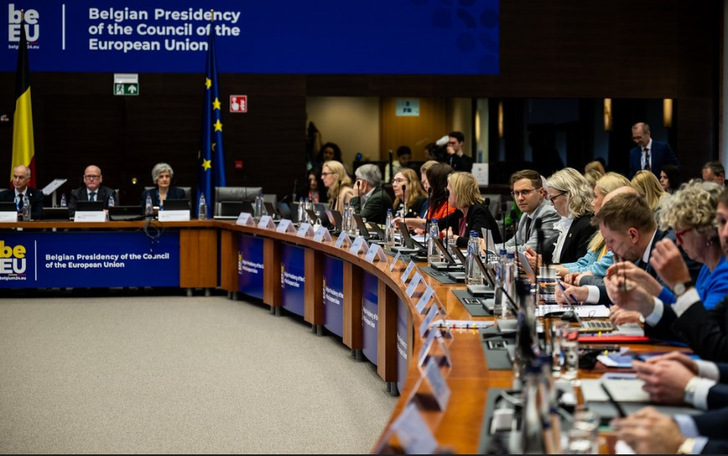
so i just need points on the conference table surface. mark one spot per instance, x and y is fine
(458, 427)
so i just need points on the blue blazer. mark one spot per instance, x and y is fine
(661, 154)
(172, 193)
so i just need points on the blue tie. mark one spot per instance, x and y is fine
(92, 196)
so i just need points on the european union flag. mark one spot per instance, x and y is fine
(211, 160)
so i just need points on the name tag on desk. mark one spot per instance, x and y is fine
(412, 432)
(8, 217)
(322, 234)
(376, 252)
(424, 299)
(245, 219)
(266, 222)
(174, 216)
(90, 216)
(413, 284)
(285, 226)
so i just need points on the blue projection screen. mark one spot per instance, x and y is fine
(451, 37)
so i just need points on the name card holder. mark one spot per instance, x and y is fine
(397, 257)
(322, 234)
(438, 385)
(437, 352)
(413, 284)
(358, 245)
(245, 219)
(429, 318)
(407, 272)
(90, 216)
(8, 217)
(412, 432)
(174, 216)
(285, 226)
(266, 222)
(424, 299)
(343, 239)
(376, 253)
(305, 230)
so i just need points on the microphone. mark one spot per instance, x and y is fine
(404, 200)
(358, 189)
(391, 167)
(427, 214)
(504, 208)
(295, 187)
(487, 206)
(447, 215)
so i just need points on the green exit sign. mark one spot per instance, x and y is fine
(126, 84)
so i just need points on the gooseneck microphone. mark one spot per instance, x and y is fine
(295, 188)
(504, 208)
(404, 200)
(447, 216)
(391, 167)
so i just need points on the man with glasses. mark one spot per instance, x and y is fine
(21, 177)
(530, 196)
(455, 155)
(92, 190)
(649, 154)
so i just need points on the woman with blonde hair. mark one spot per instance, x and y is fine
(334, 176)
(470, 213)
(649, 187)
(598, 258)
(408, 193)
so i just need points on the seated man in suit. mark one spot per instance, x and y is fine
(21, 177)
(649, 154)
(92, 190)
(371, 201)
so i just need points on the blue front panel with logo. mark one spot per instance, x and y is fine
(88, 260)
(370, 317)
(250, 266)
(334, 295)
(402, 313)
(293, 278)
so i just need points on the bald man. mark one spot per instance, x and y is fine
(92, 190)
(21, 177)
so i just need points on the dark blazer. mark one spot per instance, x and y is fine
(461, 163)
(661, 154)
(576, 242)
(415, 210)
(81, 194)
(34, 195)
(712, 424)
(172, 193)
(375, 209)
(478, 217)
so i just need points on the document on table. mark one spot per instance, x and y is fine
(598, 311)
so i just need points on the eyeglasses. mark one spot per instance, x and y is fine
(326, 174)
(524, 193)
(679, 234)
(553, 198)
(399, 180)
(92, 176)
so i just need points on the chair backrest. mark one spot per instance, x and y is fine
(236, 193)
(270, 198)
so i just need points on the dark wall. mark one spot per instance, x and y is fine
(618, 49)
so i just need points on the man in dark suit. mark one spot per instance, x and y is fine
(371, 201)
(456, 157)
(21, 177)
(92, 190)
(649, 154)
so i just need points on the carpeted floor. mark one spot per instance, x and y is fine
(140, 374)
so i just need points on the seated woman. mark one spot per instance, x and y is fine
(438, 208)
(314, 188)
(338, 182)
(425, 186)
(471, 214)
(162, 175)
(408, 194)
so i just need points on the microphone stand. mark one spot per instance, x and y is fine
(404, 200)
(391, 167)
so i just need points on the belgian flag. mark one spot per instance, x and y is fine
(23, 144)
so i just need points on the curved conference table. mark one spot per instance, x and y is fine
(209, 257)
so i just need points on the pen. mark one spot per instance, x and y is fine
(617, 405)
(563, 290)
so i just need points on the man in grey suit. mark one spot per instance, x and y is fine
(530, 196)
(371, 201)
(92, 190)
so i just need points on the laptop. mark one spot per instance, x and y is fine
(449, 264)
(487, 289)
(362, 227)
(176, 205)
(335, 220)
(410, 245)
(90, 206)
(8, 206)
(230, 210)
(125, 213)
(271, 210)
(55, 213)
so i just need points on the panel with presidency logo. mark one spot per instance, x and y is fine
(293, 278)
(139, 36)
(402, 340)
(88, 260)
(370, 317)
(334, 295)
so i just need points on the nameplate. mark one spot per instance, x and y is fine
(407, 272)
(305, 230)
(322, 234)
(424, 299)
(285, 226)
(426, 348)
(438, 384)
(266, 222)
(358, 245)
(245, 219)
(343, 239)
(174, 216)
(90, 216)
(413, 284)
(396, 259)
(429, 318)
(412, 432)
(376, 253)
(8, 216)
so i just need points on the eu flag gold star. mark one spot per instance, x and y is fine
(206, 164)
(208, 83)
(216, 104)
(218, 125)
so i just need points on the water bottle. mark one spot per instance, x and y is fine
(389, 230)
(26, 208)
(345, 225)
(201, 207)
(148, 209)
(508, 275)
(258, 208)
(352, 223)
(500, 270)
(63, 200)
(474, 276)
(301, 211)
(433, 254)
(110, 205)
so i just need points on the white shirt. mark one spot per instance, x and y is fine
(563, 226)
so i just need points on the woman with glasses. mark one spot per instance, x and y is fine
(409, 196)
(338, 182)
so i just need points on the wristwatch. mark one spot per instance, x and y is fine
(680, 288)
(687, 446)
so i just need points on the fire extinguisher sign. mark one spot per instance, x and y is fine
(238, 103)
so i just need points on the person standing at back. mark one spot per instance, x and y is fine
(92, 190)
(456, 157)
(649, 154)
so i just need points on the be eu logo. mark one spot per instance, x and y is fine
(12, 259)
